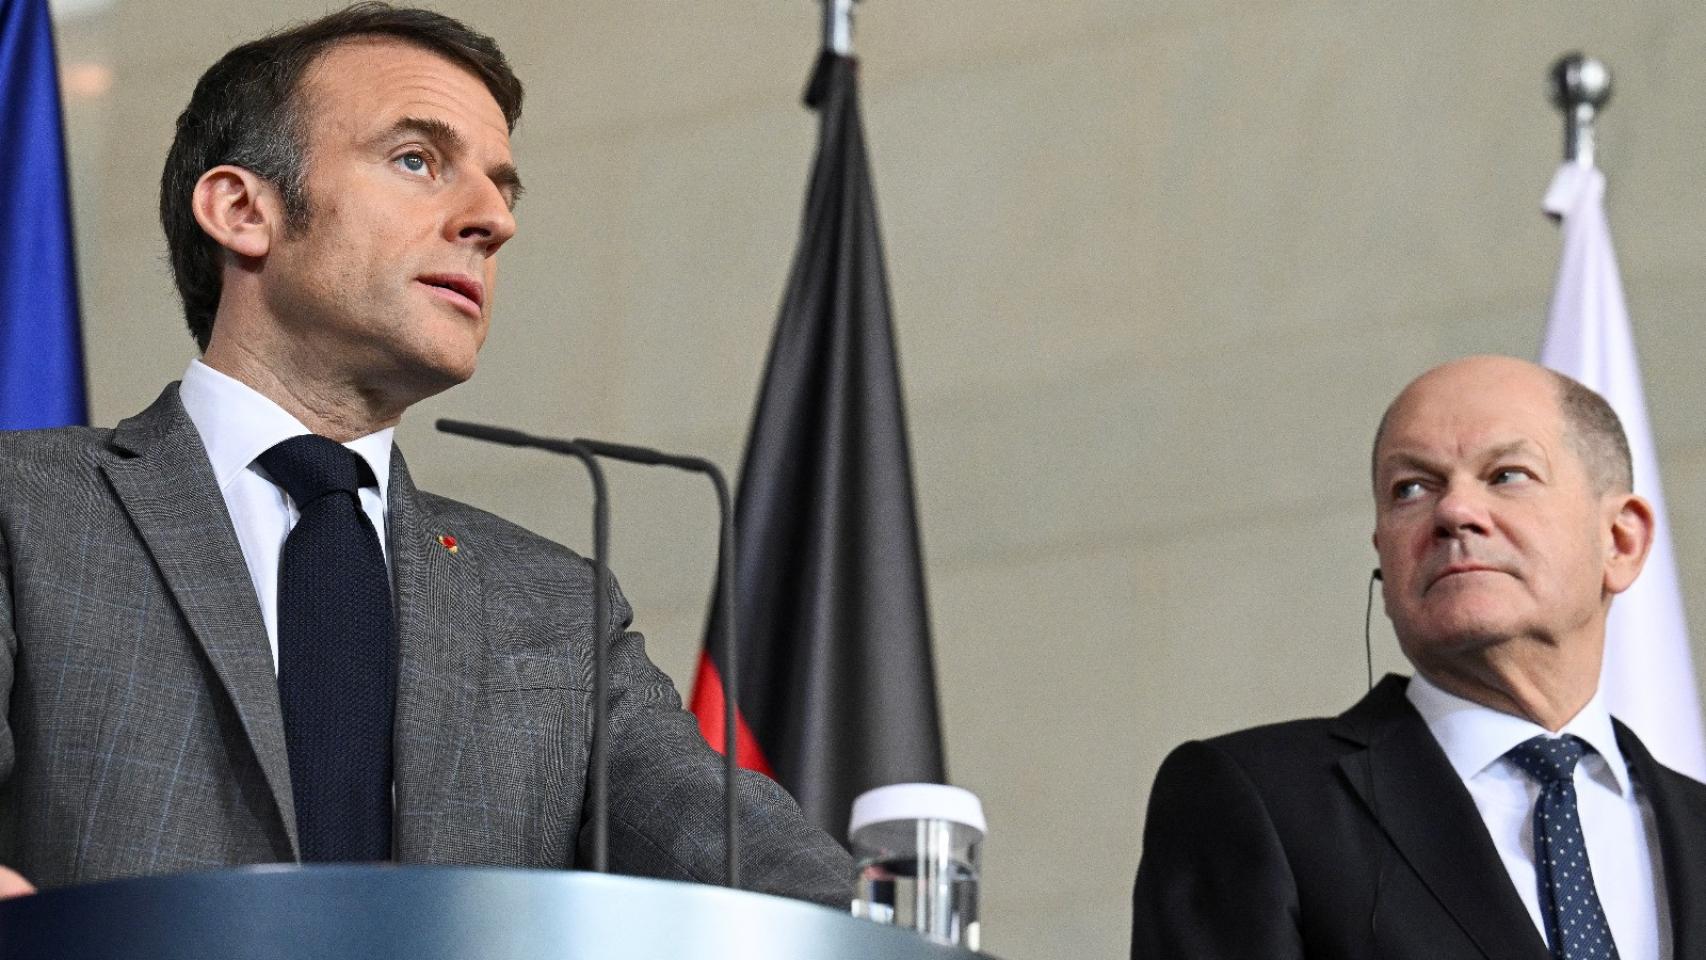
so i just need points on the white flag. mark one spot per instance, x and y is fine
(1649, 679)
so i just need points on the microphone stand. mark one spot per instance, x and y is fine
(598, 774)
(725, 625)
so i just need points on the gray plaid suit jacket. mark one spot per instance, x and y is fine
(139, 713)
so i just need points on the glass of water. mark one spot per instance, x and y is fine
(917, 847)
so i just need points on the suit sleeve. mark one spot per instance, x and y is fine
(666, 796)
(1214, 882)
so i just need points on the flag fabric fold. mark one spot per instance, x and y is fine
(41, 355)
(1649, 680)
(837, 683)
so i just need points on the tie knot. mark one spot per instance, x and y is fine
(1549, 760)
(309, 467)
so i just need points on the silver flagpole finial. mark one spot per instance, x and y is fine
(838, 26)
(1581, 86)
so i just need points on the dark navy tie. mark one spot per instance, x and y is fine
(1575, 924)
(336, 681)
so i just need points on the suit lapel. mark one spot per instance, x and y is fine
(162, 477)
(1679, 808)
(1413, 792)
(440, 604)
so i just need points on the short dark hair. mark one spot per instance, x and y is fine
(1597, 434)
(1590, 425)
(247, 111)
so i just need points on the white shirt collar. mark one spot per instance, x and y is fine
(1474, 737)
(237, 424)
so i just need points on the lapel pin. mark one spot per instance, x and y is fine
(448, 542)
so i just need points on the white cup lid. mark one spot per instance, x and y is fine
(918, 801)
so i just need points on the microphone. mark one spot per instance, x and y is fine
(725, 625)
(598, 773)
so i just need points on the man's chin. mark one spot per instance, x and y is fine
(1452, 641)
(452, 374)
(441, 378)
(414, 382)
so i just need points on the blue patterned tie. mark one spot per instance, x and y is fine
(1575, 923)
(336, 681)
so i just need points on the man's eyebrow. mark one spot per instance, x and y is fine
(1512, 448)
(1414, 461)
(442, 135)
(508, 180)
(451, 143)
(1406, 460)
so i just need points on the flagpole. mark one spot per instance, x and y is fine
(1581, 86)
(838, 27)
(1648, 678)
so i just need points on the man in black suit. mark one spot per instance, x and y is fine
(1409, 825)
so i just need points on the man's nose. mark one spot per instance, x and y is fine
(485, 217)
(1459, 510)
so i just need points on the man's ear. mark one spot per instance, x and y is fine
(239, 210)
(1632, 530)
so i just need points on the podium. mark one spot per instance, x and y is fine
(290, 912)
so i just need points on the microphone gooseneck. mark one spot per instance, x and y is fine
(598, 774)
(725, 625)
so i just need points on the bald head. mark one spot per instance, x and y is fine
(1587, 421)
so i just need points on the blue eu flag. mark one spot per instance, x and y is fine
(41, 353)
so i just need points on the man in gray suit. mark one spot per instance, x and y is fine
(334, 201)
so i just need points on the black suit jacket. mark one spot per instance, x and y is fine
(1353, 837)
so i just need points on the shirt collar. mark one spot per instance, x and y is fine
(237, 424)
(1474, 737)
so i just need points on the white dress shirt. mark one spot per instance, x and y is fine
(1617, 821)
(238, 424)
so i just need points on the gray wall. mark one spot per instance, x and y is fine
(1156, 267)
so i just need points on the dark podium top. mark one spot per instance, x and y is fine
(435, 913)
